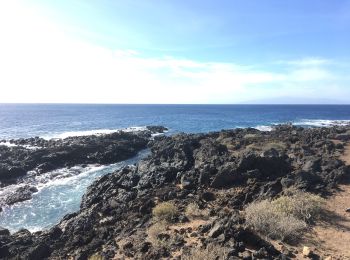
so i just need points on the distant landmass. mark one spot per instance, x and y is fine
(297, 101)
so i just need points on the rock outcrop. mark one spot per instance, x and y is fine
(221, 171)
(47, 155)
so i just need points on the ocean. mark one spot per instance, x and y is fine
(62, 195)
(61, 120)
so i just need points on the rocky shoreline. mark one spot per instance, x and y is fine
(38, 156)
(220, 172)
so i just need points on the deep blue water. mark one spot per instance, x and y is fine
(62, 194)
(51, 120)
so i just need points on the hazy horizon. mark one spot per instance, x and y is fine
(175, 52)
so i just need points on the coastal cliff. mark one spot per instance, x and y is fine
(190, 194)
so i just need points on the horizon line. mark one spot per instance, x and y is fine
(175, 104)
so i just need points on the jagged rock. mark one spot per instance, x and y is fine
(216, 230)
(4, 232)
(342, 137)
(52, 154)
(208, 196)
(21, 194)
(215, 170)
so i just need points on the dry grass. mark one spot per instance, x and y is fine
(264, 218)
(275, 145)
(286, 217)
(193, 211)
(212, 252)
(155, 231)
(165, 211)
(302, 205)
(279, 146)
(95, 257)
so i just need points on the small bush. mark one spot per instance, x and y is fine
(95, 257)
(165, 211)
(266, 219)
(302, 205)
(154, 231)
(279, 146)
(193, 211)
(212, 252)
(285, 217)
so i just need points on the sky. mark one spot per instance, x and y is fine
(183, 51)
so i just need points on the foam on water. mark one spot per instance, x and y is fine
(308, 123)
(93, 132)
(321, 123)
(264, 127)
(57, 196)
(8, 144)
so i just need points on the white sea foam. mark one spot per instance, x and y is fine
(66, 176)
(308, 122)
(93, 132)
(59, 192)
(321, 122)
(8, 144)
(264, 127)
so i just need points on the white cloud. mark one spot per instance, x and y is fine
(309, 61)
(40, 63)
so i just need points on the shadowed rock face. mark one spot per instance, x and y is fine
(245, 163)
(48, 155)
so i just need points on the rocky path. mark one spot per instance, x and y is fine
(332, 236)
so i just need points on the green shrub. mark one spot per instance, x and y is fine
(165, 211)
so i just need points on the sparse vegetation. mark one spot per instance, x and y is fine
(302, 205)
(266, 219)
(212, 252)
(154, 233)
(193, 211)
(165, 211)
(285, 217)
(95, 257)
(279, 146)
(250, 137)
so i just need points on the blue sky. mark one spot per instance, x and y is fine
(175, 51)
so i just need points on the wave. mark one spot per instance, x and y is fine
(93, 132)
(8, 144)
(59, 193)
(321, 122)
(264, 128)
(307, 123)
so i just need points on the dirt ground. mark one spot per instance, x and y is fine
(330, 238)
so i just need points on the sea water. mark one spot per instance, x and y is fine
(60, 195)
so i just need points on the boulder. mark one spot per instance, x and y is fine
(216, 230)
(342, 137)
(21, 194)
(4, 232)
